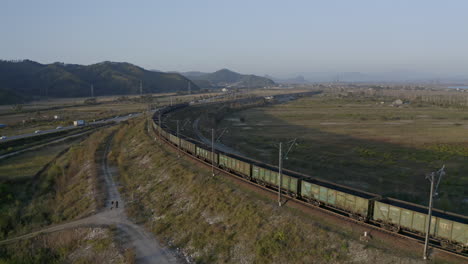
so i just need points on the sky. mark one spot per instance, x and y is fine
(272, 37)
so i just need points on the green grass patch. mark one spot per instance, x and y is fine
(67, 189)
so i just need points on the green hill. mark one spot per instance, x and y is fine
(8, 96)
(226, 77)
(27, 79)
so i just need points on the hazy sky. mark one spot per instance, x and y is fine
(262, 37)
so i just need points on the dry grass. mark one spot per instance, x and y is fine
(27, 164)
(82, 245)
(68, 189)
(213, 220)
(362, 143)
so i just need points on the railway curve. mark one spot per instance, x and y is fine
(182, 144)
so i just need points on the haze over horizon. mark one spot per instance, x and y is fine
(262, 37)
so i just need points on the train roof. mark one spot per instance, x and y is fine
(307, 178)
(424, 210)
(337, 187)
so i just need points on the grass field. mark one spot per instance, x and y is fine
(363, 143)
(43, 120)
(82, 245)
(27, 164)
(67, 189)
(40, 115)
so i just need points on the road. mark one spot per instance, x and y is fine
(147, 249)
(4, 156)
(114, 119)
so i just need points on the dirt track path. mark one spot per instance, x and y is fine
(147, 249)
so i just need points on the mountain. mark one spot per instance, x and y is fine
(8, 97)
(296, 80)
(195, 74)
(225, 77)
(396, 76)
(26, 79)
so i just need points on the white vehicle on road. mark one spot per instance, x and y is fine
(3, 137)
(79, 123)
(37, 131)
(59, 127)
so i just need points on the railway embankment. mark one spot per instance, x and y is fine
(216, 219)
(66, 189)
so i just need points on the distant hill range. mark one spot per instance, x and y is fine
(227, 78)
(21, 81)
(401, 76)
(296, 80)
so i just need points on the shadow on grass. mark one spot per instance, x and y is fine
(384, 168)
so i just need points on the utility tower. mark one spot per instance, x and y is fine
(92, 90)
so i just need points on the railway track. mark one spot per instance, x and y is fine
(300, 202)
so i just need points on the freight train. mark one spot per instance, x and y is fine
(449, 230)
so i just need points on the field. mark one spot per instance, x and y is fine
(27, 164)
(228, 222)
(65, 190)
(40, 115)
(364, 143)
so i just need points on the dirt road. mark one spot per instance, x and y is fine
(147, 249)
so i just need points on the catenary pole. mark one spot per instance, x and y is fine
(178, 138)
(433, 193)
(212, 152)
(160, 128)
(280, 177)
(429, 216)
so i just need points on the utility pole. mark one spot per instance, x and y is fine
(178, 138)
(280, 176)
(433, 193)
(171, 100)
(141, 88)
(92, 91)
(149, 124)
(212, 152)
(160, 128)
(189, 88)
(280, 165)
(148, 117)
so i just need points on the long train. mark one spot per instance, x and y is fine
(449, 230)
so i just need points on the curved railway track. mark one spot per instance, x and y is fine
(320, 208)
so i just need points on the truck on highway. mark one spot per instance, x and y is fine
(79, 123)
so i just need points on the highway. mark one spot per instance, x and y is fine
(42, 132)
